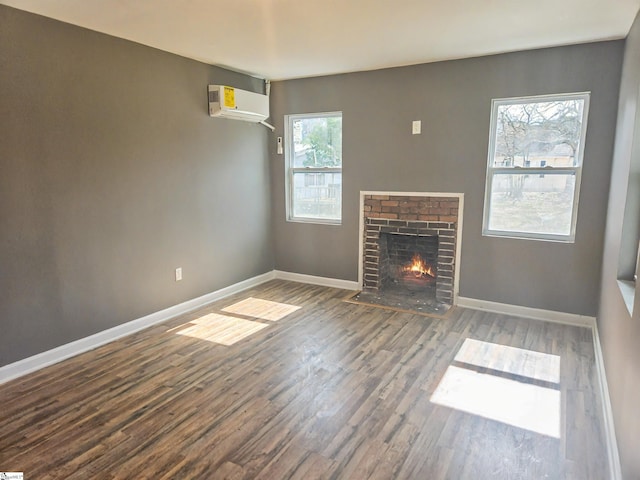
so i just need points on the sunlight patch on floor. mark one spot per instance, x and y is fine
(516, 402)
(262, 309)
(518, 361)
(519, 404)
(221, 329)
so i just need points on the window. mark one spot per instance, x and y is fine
(534, 166)
(314, 167)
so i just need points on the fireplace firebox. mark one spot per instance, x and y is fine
(408, 262)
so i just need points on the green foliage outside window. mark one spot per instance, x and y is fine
(323, 140)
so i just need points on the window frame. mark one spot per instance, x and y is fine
(291, 170)
(575, 170)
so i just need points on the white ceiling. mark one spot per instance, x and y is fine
(280, 39)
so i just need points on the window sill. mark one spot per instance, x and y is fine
(628, 291)
(316, 221)
(524, 236)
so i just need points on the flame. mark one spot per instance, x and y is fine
(419, 267)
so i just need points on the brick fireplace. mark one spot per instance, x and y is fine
(402, 230)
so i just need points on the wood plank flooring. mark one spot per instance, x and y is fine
(329, 390)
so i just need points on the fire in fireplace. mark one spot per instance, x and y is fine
(418, 269)
(408, 262)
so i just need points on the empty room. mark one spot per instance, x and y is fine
(278, 239)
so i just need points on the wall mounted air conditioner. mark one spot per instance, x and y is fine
(229, 102)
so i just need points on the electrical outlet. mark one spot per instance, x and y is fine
(178, 274)
(416, 127)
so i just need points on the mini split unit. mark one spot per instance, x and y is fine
(229, 102)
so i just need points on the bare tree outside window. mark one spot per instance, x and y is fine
(534, 166)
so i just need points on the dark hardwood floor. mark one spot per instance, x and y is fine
(327, 390)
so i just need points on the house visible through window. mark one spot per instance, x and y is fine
(314, 167)
(534, 166)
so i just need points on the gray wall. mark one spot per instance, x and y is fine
(453, 100)
(112, 175)
(619, 331)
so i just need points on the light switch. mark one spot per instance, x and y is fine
(416, 127)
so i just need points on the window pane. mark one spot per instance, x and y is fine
(317, 195)
(538, 134)
(532, 203)
(317, 142)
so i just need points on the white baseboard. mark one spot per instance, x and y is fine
(55, 355)
(534, 313)
(615, 470)
(313, 280)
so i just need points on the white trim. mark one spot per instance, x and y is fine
(361, 240)
(456, 279)
(533, 313)
(615, 470)
(55, 355)
(313, 280)
(412, 194)
(459, 196)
